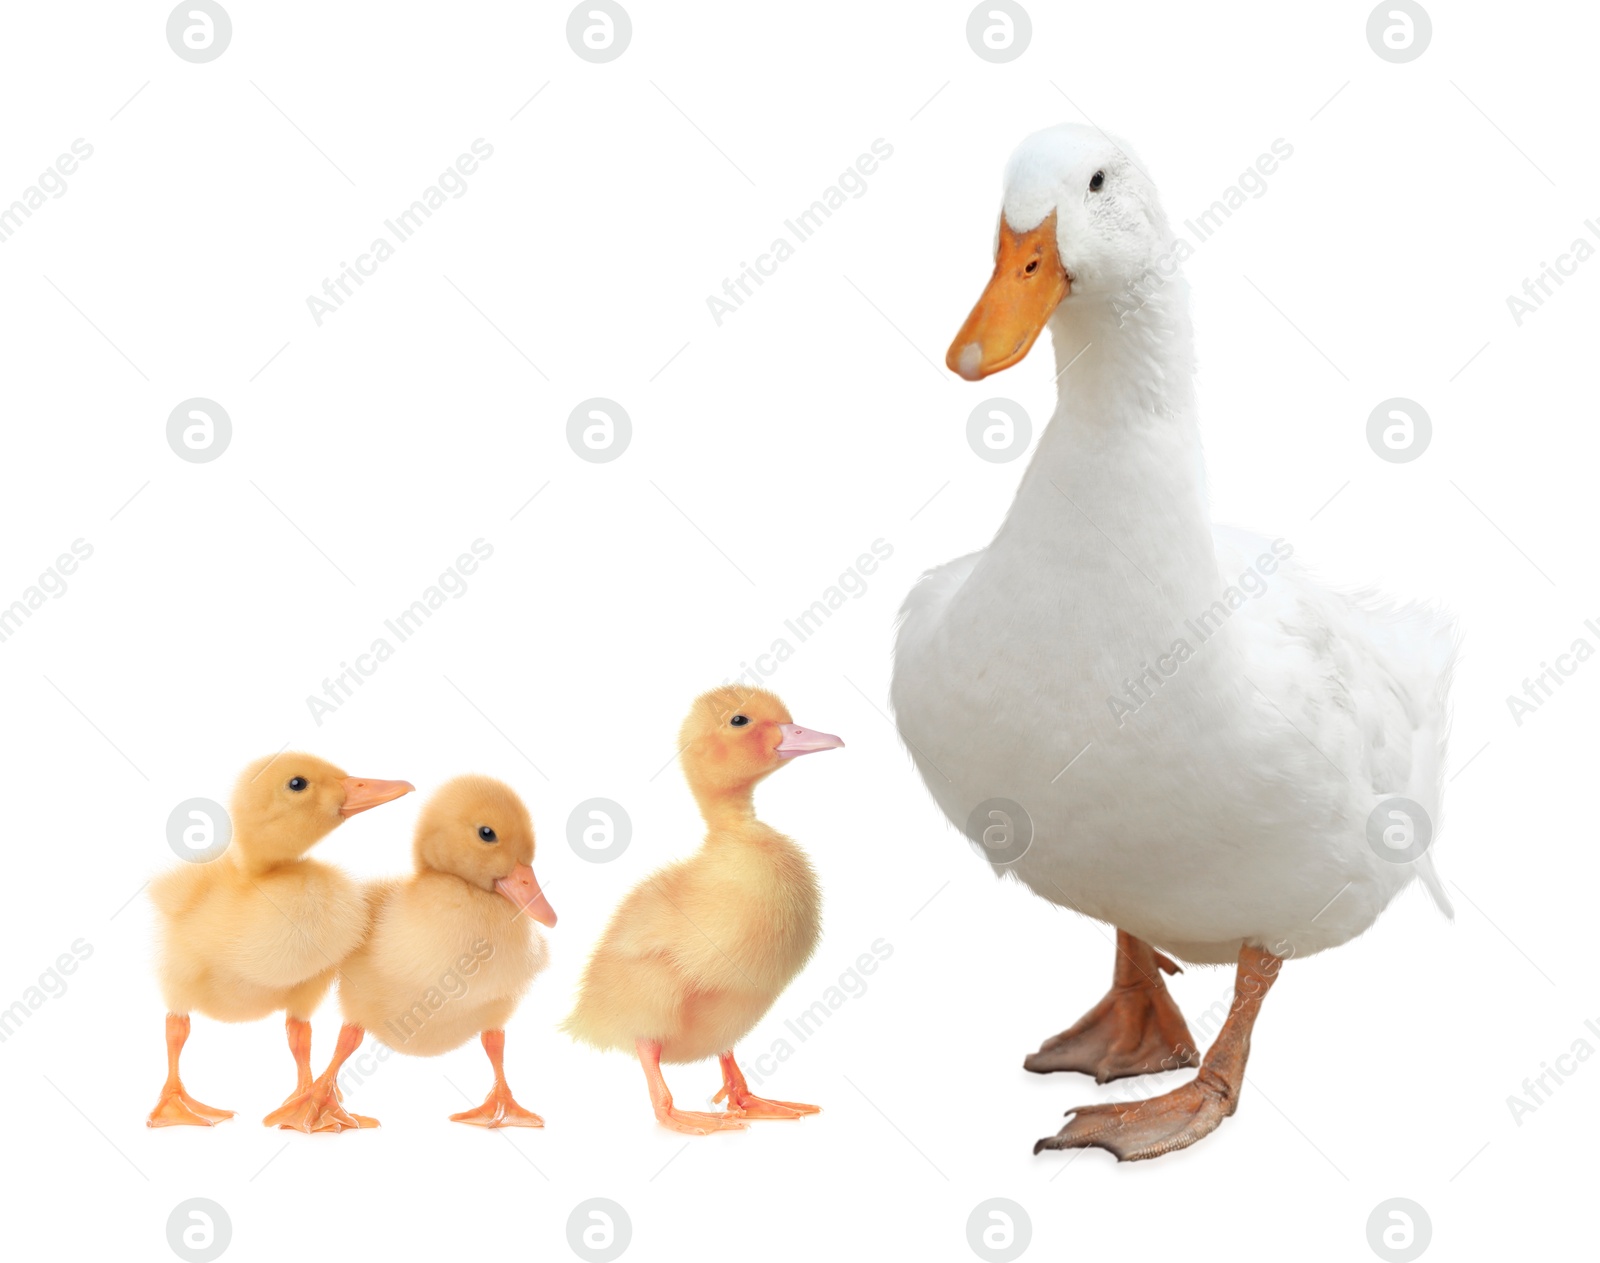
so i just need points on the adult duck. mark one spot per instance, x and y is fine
(1164, 726)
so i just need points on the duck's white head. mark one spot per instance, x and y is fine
(1080, 222)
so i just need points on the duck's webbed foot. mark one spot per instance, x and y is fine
(1135, 1029)
(1147, 1129)
(1175, 1120)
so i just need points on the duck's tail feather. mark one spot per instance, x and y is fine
(1430, 879)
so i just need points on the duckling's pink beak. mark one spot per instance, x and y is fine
(798, 740)
(361, 794)
(522, 888)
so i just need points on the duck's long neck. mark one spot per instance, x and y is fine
(1113, 503)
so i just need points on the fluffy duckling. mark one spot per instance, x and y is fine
(699, 951)
(261, 928)
(446, 959)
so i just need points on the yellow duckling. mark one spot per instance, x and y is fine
(261, 928)
(445, 959)
(699, 951)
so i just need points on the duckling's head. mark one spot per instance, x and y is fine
(736, 736)
(284, 804)
(1081, 220)
(477, 829)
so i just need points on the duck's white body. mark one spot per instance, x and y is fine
(1231, 806)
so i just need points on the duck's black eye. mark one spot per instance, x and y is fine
(486, 833)
(739, 721)
(297, 783)
(1097, 181)
(1033, 266)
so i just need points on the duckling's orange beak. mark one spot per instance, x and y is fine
(522, 888)
(798, 740)
(1028, 284)
(361, 794)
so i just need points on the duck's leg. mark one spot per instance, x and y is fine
(177, 1108)
(1135, 1029)
(499, 1109)
(690, 1122)
(745, 1103)
(1175, 1120)
(318, 1108)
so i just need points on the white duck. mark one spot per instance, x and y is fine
(1195, 732)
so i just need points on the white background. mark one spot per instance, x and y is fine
(767, 454)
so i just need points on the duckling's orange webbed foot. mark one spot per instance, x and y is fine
(318, 1107)
(688, 1122)
(1133, 1130)
(177, 1108)
(1135, 1029)
(746, 1104)
(499, 1108)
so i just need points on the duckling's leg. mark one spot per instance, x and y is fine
(498, 1108)
(177, 1108)
(318, 1108)
(690, 1122)
(299, 1033)
(1175, 1120)
(1135, 1029)
(745, 1103)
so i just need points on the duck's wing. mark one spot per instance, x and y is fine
(1365, 681)
(923, 609)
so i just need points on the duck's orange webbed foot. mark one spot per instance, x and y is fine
(746, 1104)
(1133, 1130)
(688, 1122)
(499, 1108)
(1135, 1029)
(177, 1108)
(1147, 1129)
(318, 1107)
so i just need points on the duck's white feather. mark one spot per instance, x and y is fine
(1220, 801)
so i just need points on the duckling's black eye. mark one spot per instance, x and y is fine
(1033, 266)
(486, 833)
(1097, 181)
(297, 783)
(739, 721)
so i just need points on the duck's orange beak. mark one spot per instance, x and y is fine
(1028, 284)
(361, 794)
(522, 888)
